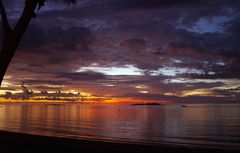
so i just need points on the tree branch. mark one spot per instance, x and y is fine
(27, 14)
(5, 23)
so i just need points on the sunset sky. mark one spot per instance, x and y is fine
(128, 51)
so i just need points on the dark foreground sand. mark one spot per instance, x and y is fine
(26, 143)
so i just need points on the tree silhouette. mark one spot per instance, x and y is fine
(13, 35)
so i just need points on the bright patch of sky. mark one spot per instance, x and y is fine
(144, 92)
(118, 70)
(229, 82)
(211, 73)
(141, 87)
(176, 61)
(132, 70)
(221, 63)
(198, 92)
(173, 71)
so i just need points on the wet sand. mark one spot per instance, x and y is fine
(16, 142)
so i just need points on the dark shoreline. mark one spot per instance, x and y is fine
(11, 142)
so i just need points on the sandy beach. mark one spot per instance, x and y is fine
(17, 142)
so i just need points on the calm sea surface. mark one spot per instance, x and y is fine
(205, 125)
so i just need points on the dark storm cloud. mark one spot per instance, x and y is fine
(156, 4)
(164, 86)
(192, 41)
(143, 96)
(227, 93)
(47, 88)
(54, 45)
(82, 76)
(176, 99)
(148, 34)
(136, 44)
(219, 45)
(46, 82)
(72, 38)
(219, 74)
(233, 27)
(75, 38)
(34, 37)
(198, 8)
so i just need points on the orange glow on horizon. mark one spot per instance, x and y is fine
(89, 100)
(132, 100)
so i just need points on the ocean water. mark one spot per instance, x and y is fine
(204, 125)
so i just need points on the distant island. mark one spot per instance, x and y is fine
(137, 104)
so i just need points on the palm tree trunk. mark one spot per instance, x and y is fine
(6, 55)
(12, 39)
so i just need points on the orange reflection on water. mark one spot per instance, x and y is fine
(125, 122)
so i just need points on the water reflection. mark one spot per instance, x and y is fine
(196, 124)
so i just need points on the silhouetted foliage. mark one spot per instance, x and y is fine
(12, 35)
